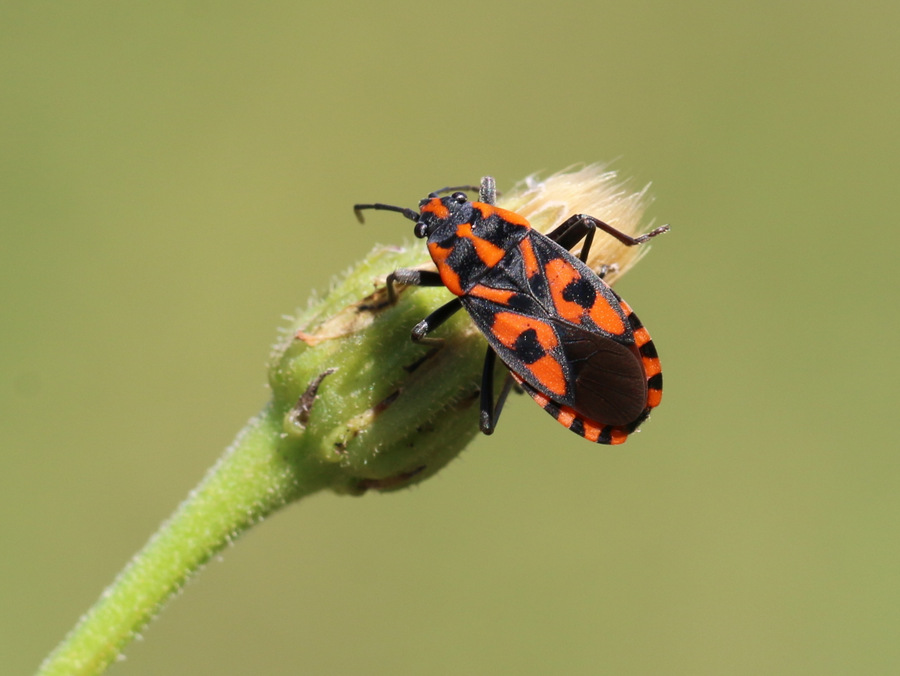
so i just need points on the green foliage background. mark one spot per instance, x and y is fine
(175, 177)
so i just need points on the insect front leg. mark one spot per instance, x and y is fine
(404, 277)
(410, 277)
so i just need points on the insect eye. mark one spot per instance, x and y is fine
(459, 197)
(421, 230)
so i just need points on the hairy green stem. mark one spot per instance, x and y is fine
(248, 483)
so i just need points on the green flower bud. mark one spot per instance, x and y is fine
(356, 393)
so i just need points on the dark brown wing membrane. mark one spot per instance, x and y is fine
(609, 382)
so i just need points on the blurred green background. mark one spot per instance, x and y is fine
(176, 177)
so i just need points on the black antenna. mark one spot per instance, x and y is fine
(411, 214)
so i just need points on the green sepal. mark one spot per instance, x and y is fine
(387, 412)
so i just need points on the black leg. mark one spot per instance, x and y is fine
(581, 226)
(410, 277)
(571, 231)
(434, 320)
(490, 411)
(504, 393)
(488, 421)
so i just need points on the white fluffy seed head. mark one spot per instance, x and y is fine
(591, 190)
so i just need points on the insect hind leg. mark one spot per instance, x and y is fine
(582, 227)
(490, 411)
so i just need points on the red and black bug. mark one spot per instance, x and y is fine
(567, 338)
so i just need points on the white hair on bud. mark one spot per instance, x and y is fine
(592, 190)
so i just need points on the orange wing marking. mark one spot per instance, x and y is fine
(500, 296)
(550, 374)
(448, 275)
(529, 258)
(489, 253)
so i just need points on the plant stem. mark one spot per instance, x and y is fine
(249, 482)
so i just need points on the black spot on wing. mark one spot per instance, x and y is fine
(580, 291)
(527, 347)
(521, 303)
